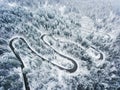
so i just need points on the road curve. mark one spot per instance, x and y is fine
(73, 61)
(22, 65)
(101, 54)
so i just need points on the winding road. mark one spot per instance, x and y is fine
(92, 47)
(73, 61)
(70, 70)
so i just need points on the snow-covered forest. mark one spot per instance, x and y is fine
(59, 45)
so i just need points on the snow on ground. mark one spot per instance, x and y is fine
(82, 36)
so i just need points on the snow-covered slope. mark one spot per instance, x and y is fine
(59, 45)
